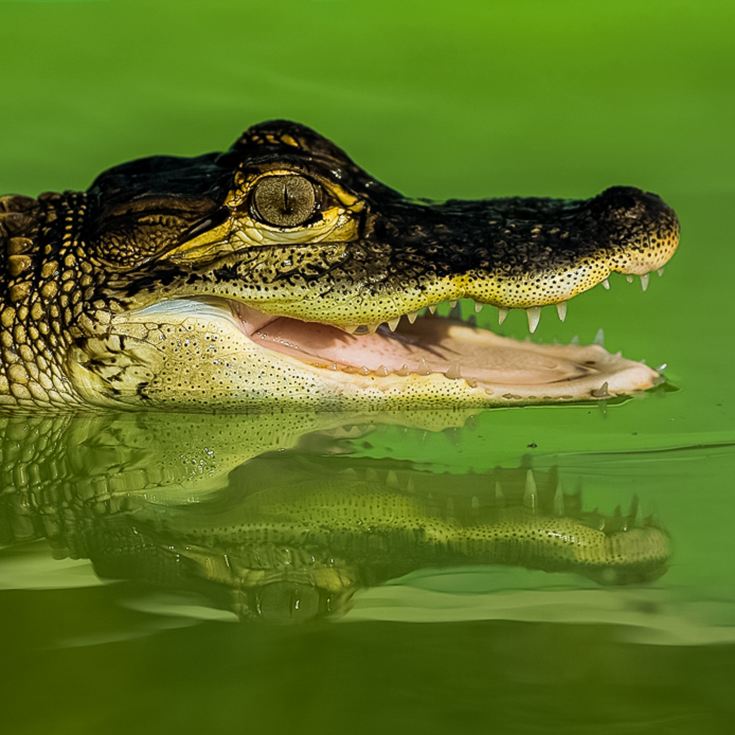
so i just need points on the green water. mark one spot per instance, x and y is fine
(126, 598)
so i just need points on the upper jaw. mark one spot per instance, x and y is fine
(530, 252)
(510, 253)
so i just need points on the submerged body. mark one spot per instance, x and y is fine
(280, 273)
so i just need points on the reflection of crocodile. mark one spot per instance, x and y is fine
(293, 536)
(280, 271)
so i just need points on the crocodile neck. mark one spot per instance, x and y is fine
(48, 292)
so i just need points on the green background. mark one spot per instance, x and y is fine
(442, 100)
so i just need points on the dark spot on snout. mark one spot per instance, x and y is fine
(628, 203)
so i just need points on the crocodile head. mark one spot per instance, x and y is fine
(280, 270)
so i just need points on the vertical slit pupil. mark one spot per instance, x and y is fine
(287, 201)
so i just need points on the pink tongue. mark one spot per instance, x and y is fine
(430, 345)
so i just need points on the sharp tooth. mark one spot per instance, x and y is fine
(559, 500)
(660, 271)
(424, 368)
(393, 324)
(502, 315)
(629, 279)
(478, 307)
(391, 479)
(372, 328)
(600, 337)
(432, 309)
(351, 328)
(530, 493)
(632, 511)
(499, 494)
(412, 316)
(606, 285)
(644, 281)
(602, 391)
(574, 340)
(534, 315)
(404, 370)
(365, 370)
(453, 303)
(454, 371)
(561, 310)
(382, 371)
(662, 367)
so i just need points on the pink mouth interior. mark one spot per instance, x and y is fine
(431, 345)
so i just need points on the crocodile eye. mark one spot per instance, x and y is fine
(285, 201)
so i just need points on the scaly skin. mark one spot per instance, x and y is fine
(292, 536)
(134, 293)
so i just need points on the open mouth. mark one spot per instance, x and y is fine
(424, 344)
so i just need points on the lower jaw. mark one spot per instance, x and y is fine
(215, 356)
(441, 357)
(615, 377)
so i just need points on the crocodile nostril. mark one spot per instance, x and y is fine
(625, 202)
(613, 192)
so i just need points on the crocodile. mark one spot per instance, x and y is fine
(290, 536)
(280, 273)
